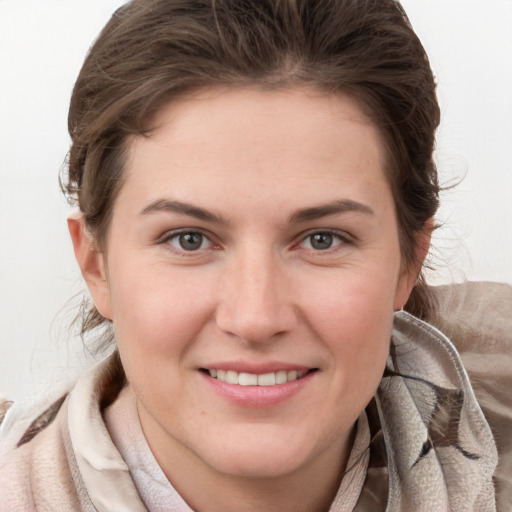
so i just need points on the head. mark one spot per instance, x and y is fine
(364, 49)
(160, 63)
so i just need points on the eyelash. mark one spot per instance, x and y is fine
(341, 237)
(174, 235)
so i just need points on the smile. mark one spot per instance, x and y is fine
(251, 379)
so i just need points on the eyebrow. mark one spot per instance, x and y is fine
(302, 215)
(333, 208)
(165, 205)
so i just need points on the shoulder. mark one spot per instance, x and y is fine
(5, 405)
(46, 457)
(38, 463)
(477, 317)
(21, 422)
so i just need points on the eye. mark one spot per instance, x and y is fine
(322, 240)
(189, 241)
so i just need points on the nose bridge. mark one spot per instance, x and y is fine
(255, 305)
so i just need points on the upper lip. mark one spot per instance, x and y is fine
(256, 368)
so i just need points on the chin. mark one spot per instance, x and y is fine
(260, 465)
(274, 455)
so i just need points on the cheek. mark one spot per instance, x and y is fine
(350, 302)
(360, 332)
(354, 318)
(158, 311)
(157, 317)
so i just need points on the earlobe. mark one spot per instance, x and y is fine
(410, 275)
(91, 263)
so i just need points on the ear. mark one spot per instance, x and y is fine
(92, 264)
(410, 274)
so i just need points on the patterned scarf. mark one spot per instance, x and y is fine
(435, 451)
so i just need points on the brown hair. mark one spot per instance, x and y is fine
(154, 50)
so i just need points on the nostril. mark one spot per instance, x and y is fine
(251, 328)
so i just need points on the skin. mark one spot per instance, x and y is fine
(268, 167)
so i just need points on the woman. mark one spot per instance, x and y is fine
(256, 197)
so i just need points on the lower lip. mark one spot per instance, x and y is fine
(258, 396)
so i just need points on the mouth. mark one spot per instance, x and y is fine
(252, 379)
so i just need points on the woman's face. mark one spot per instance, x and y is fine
(255, 238)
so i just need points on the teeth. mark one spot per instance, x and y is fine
(267, 379)
(251, 379)
(247, 379)
(281, 377)
(231, 377)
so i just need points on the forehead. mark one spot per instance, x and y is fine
(257, 143)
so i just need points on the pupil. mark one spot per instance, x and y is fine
(321, 241)
(191, 241)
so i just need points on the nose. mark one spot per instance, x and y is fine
(256, 304)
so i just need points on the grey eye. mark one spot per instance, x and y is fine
(189, 241)
(321, 241)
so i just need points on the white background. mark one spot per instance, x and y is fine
(42, 46)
